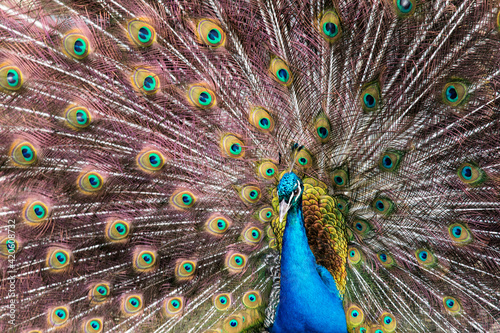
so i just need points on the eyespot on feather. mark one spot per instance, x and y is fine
(131, 304)
(150, 160)
(90, 182)
(354, 255)
(252, 299)
(386, 259)
(11, 77)
(322, 128)
(217, 225)
(185, 269)
(23, 153)
(460, 234)
(361, 226)
(304, 159)
(354, 316)
(117, 230)
(388, 322)
(470, 174)
(201, 96)
(363, 328)
(234, 324)
(377, 329)
(141, 33)
(452, 305)
(99, 292)
(370, 97)
(173, 306)
(390, 160)
(93, 325)
(404, 8)
(252, 235)
(231, 146)
(342, 204)
(261, 119)
(425, 258)
(383, 206)
(454, 93)
(182, 199)
(210, 33)
(144, 260)
(58, 259)
(76, 45)
(222, 301)
(8, 246)
(236, 262)
(329, 26)
(267, 170)
(249, 194)
(266, 214)
(58, 316)
(145, 81)
(36, 212)
(78, 117)
(340, 178)
(280, 71)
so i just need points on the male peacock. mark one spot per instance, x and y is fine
(146, 167)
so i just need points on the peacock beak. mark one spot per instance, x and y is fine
(284, 207)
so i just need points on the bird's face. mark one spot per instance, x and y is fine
(290, 189)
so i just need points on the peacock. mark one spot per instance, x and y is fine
(224, 166)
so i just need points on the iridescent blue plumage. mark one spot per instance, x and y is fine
(309, 300)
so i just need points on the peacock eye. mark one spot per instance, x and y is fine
(280, 71)
(76, 45)
(330, 26)
(261, 119)
(370, 97)
(11, 77)
(454, 93)
(201, 96)
(405, 7)
(210, 33)
(141, 33)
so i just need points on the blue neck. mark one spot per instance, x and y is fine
(306, 304)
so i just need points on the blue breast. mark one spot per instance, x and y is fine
(306, 302)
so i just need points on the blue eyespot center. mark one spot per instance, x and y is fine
(134, 302)
(175, 304)
(27, 153)
(330, 29)
(270, 171)
(214, 36)
(387, 161)
(233, 323)
(355, 313)
(388, 320)
(269, 214)
(369, 100)
(61, 314)
(205, 98)
(451, 94)
(380, 205)
(95, 325)
(252, 298)
(12, 78)
(39, 211)
(144, 34)
(340, 206)
(61, 257)
(457, 231)
(188, 267)
(238, 260)
(265, 123)
(423, 255)
(383, 257)
(322, 132)
(79, 46)
(255, 234)
(235, 148)
(147, 258)
(283, 74)
(467, 172)
(352, 253)
(101, 291)
(450, 303)
(94, 181)
(253, 194)
(339, 180)
(149, 83)
(303, 161)
(359, 226)
(405, 6)
(186, 199)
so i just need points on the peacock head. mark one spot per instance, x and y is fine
(290, 189)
